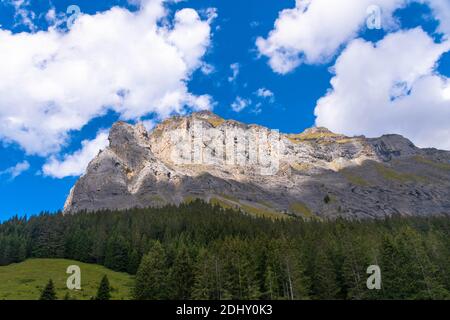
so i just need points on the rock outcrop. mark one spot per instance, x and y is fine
(313, 174)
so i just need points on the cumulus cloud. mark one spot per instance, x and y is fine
(207, 68)
(16, 170)
(240, 104)
(235, 68)
(390, 87)
(134, 63)
(23, 15)
(76, 163)
(441, 10)
(314, 31)
(264, 93)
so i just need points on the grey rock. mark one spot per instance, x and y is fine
(319, 174)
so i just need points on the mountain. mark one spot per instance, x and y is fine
(316, 173)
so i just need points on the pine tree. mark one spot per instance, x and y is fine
(204, 284)
(104, 290)
(296, 280)
(116, 256)
(407, 271)
(270, 284)
(354, 266)
(239, 271)
(49, 292)
(324, 282)
(182, 274)
(151, 277)
(133, 262)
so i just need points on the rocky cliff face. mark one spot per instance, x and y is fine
(313, 174)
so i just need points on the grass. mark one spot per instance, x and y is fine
(305, 136)
(189, 199)
(229, 202)
(390, 174)
(301, 166)
(221, 203)
(435, 164)
(261, 212)
(25, 280)
(301, 208)
(158, 198)
(215, 122)
(354, 178)
(346, 140)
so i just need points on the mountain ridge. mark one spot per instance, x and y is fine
(316, 173)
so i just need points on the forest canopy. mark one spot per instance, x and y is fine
(201, 251)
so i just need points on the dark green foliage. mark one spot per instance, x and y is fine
(182, 275)
(151, 278)
(49, 292)
(199, 251)
(116, 254)
(104, 290)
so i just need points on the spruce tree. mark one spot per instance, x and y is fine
(133, 262)
(116, 255)
(204, 284)
(49, 292)
(270, 285)
(182, 274)
(324, 282)
(104, 290)
(355, 261)
(151, 277)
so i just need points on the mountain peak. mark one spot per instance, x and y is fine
(262, 171)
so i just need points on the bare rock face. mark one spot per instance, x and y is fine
(316, 173)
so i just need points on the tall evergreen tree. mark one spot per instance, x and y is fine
(133, 262)
(104, 290)
(239, 271)
(324, 284)
(151, 278)
(48, 293)
(116, 256)
(204, 287)
(182, 274)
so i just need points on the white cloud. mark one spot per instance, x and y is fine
(314, 31)
(23, 15)
(264, 93)
(207, 68)
(441, 10)
(135, 63)
(235, 68)
(240, 104)
(149, 124)
(257, 109)
(16, 170)
(390, 87)
(75, 164)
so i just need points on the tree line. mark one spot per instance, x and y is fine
(103, 291)
(201, 251)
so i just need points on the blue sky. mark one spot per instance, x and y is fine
(399, 74)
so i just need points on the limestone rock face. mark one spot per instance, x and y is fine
(316, 173)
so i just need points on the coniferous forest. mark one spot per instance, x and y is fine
(200, 251)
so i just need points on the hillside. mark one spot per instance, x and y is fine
(25, 280)
(316, 173)
(199, 251)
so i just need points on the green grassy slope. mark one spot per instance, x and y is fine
(24, 281)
